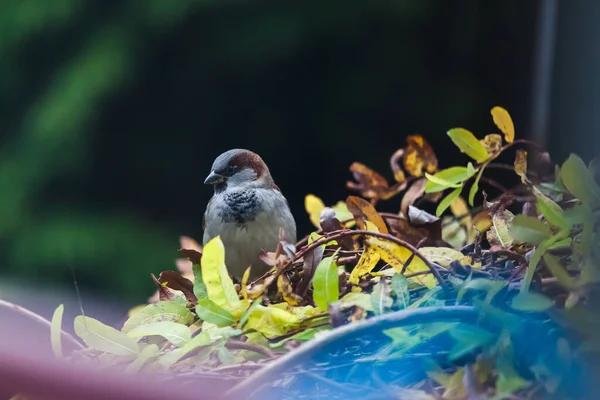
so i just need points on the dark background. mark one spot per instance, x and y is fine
(111, 112)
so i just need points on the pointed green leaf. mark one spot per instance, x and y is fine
(380, 298)
(56, 331)
(326, 283)
(441, 182)
(468, 338)
(157, 312)
(400, 289)
(558, 271)
(446, 201)
(529, 229)
(475, 186)
(175, 333)
(531, 301)
(199, 286)
(468, 144)
(552, 211)
(209, 311)
(103, 337)
(579, 181)
(148, 352)
(453, 175)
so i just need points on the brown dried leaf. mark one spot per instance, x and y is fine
(521, 164)
(415, 192)
(193, 255)
(419, 156)
(402, 229)
(364, 211)
(498, 234)
(370, 183)
(492, 143)
(164, 294)
(399, 175)
(175, 281)
(311, 261)
(422, 219)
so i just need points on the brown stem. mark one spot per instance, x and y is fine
(256, 348)
(379, 235)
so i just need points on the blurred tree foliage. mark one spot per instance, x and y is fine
(112, 111)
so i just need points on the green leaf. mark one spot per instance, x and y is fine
(558, 271)
(157, 312)
(199, 286)
(530, 301)
(148, 352)
(529, 230)
(248, 312)
(400, 289)
(219, 285)
(326, 283)
(468, 144)
(441, 182)
(453, 175)
(579, 181)
(490, 287)
(537, 256)
(468, 338)
(362, 300)
(380, 298)
(209, 311)
(103, 337)
(552, 212)
(56, 331)
(446, 201)
(175, 333)
(170, 358)
(475, 186)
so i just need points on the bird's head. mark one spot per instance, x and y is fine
(239, 168)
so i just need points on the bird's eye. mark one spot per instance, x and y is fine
(230, 170)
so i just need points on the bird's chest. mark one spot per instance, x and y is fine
(240, 207)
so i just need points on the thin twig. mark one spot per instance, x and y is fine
(39, 319)
(385, 236)
(256, 348)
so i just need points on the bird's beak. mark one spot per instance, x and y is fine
(213, 178)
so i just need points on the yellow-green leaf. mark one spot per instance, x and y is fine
(272, 321)
(397, 256)
(326, 283)
(148, 352)
(454, 175)
(552, 211)
(578, 180)
(208, 311)
(160, 311)
(368, 260)
(103, 337)
(175, 333)
(504, 122)
(558, 271)
(446, 201)
(314, 206)
(468, 144)
(530, 301)
(443, 256)
(475, 186)
(219, 285)
(440, 182)
(529, 230)
(362, 300)
(56, 331)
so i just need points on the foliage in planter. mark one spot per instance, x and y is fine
(537, 261)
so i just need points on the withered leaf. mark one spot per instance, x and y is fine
(164, 294)
(423, 219)
(399, 175)
(492, 143)
(285, 290)
(364, 211)
(311, 261)
(498, 234)
(521, 164)
(419, 156)
(415, 192)
(176, 281)
(329, 221)
(370, 183)
(193, 255)
(368, 260)
(402, 229)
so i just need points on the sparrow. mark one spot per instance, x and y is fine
(247, 211)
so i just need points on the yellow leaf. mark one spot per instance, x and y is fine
(481, 223)
(272, 321)
(441, 255)
(492, 143)
(314, 206)
(521, 164)
(419, 156)
(368, 260)
(284, 287)
(364, 211)
(369, 226)
(459, 209)
(504, 122)
(244, 284)
(219, 285)
(341, 211)
(468, 144)
(397, 256)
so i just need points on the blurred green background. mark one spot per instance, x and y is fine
(112, 112)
